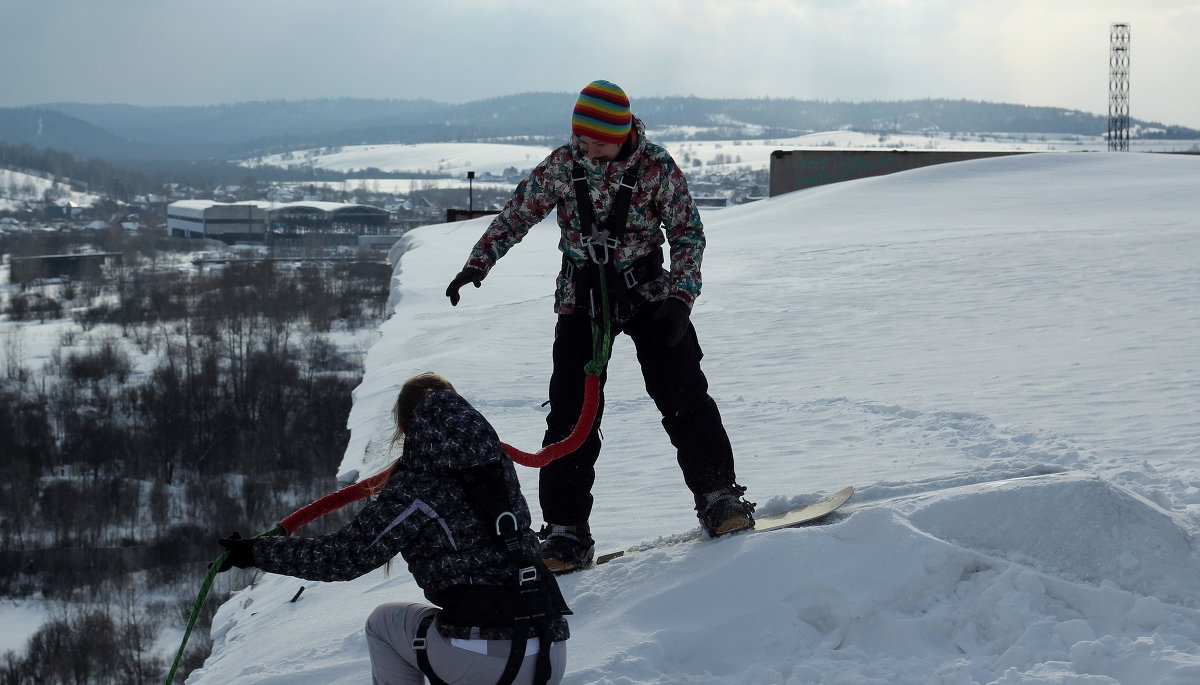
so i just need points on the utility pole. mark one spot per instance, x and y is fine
(1118, 88)
(471, 193)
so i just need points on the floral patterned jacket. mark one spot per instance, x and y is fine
(661, 202)
(424, 514)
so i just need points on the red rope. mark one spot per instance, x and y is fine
(591, 404)
(336, 500)
(352, 493)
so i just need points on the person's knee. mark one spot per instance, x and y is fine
(702, 410)
(381, 615)
(385, 617)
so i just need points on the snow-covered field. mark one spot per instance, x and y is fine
(999, 354)
(715, 156)
(432, 158)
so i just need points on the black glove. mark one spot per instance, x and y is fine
(241, 552)
(674, 314)
(467, 275)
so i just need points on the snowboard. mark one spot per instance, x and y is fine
(805, 515)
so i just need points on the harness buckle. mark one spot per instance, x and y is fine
(418, 644)
(527, 575)
(500, 518)
(629, 277)
(604, 242)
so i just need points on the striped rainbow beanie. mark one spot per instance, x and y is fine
(602, 112)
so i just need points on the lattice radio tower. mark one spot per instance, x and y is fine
(1118, 88)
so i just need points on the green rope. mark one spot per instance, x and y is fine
(199, 603)
(601, 333)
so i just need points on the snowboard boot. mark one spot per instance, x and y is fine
(725, 511)
(566, 548)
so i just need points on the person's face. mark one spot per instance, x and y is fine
(598, 150)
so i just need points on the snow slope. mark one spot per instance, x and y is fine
(999, 354)
(18, 188)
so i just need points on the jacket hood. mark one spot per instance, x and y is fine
(448, 434)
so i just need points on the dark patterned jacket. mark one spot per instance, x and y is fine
(424, 514)
(660, 203)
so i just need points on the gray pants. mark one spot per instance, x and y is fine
(390, 632)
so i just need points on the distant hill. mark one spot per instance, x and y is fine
(43, 127)
(221, 132)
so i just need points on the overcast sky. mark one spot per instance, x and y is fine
(200, 52)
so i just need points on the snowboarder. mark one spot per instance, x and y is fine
(452, 506)
(615, 193)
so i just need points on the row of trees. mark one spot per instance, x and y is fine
(238, 386)
(108, 641)
(85, 174)
(177, 407)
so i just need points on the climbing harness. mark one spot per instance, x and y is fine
(533, 607)
(600, 243)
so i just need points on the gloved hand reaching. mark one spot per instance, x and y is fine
(467, 275)
(675, 316)
(241, 552)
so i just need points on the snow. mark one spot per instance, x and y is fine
(716, 156)
(455, 159)
(998, 354)
(20, 619)
(18, 188)
(448, 158)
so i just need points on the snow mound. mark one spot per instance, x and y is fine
(1081, 527)
(945, 587)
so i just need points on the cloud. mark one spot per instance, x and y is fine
(1036, 53)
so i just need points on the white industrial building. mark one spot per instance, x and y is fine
(289, 223)
(236, 222)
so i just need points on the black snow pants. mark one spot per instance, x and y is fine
(673, 380)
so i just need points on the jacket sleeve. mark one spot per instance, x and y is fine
(684, 230)
(533, 199)
(447, 435)
(359, 547)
